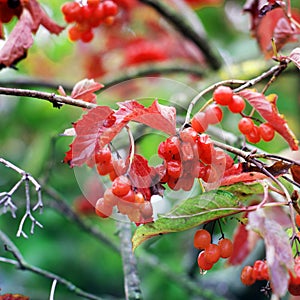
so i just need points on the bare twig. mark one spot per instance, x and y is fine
(131, 278)
(5, 197)
(23, 265)
(55, 99)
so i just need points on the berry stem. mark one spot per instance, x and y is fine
(207, 90)
(131, 140)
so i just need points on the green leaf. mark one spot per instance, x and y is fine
(190, 213)
(243, 190)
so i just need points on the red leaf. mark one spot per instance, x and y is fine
(295, 57)
(85, 89)
(41, 18)
(266, 107)
(270, 21)
(100, 125)
(87, 130)
(13, 297)
(156, 116)
(19, 40)
(140, 172)
(295, 169)
(244, 242)
(278, 249)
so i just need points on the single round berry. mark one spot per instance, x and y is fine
(212, 253)
(223, 95)
(245, 125)
(121, 186)
(258, 268)
(266, 131)
(103, 156)
(246, 276)
(226, 248)
(199, 122)
(253, 136)
(237, 105)
(102, 209)
(202, 239)
(203, 263)
(110, 8)
(87, 36)
(214, 114)
(174, 168)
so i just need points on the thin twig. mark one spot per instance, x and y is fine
(53, 287)
(55, 99)
(23, 265)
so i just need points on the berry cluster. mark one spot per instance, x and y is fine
(259, 271)
(129, 200)
(189, 155)
(223, 95)
(210, 253)
(87, 17)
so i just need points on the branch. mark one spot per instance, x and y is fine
(23, 265)
(131, 279)
(55, 99)
(60, 205)
(186, 30)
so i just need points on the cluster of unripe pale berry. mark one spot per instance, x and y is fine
(129, 200)
(86, 17)
(210, 253)
(224, 96)
(260, 271)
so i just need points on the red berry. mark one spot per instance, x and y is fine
(223, 95)
(214, 114)
(199, 122)
(103, 156)
(237, 104)
(211, 174)
(121, 186)
(203, 263)
(212, 253)
(246, 276)
(129, 197)
(245, 125)
(205, 148)
(87, 36)
(188, 135)
(102, 209)
(174, 168)
(266, 131)
(257, 269)
(297, 219)
(202, 239)
(253, 136)
(294, 289)
(110, 198)
(74, 33)
(110, 8)
(105, 168)
(226, 248)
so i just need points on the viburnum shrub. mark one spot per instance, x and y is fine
(218, 177)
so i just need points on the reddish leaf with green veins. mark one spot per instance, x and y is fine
(266, 107)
